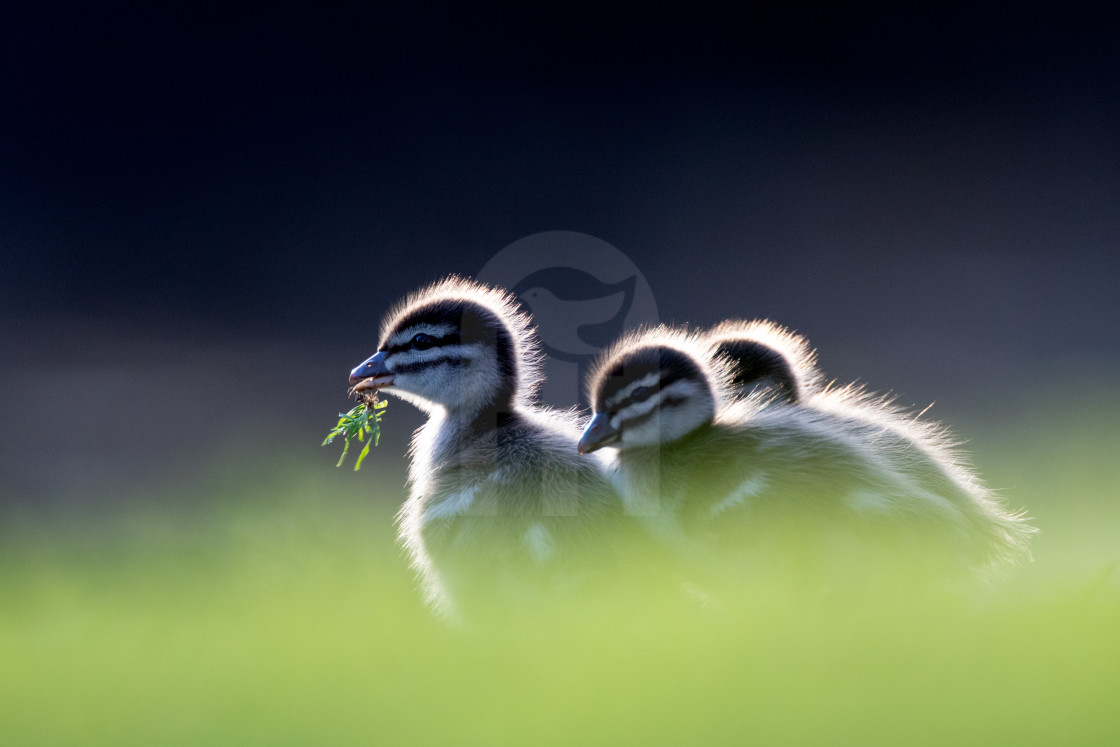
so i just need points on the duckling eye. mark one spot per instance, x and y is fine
(422, 341)
(641, 394)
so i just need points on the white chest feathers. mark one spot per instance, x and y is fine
(456, 504)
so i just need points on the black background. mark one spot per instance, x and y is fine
(204, 211)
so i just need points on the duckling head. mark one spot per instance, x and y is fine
(458, 345)
(652, 387)
(766, 356)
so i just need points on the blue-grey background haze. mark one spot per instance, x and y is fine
(205, 211)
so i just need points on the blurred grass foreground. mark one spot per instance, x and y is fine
(278, 611)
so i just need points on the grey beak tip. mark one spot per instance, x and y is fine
(598, 434)
(372, 366)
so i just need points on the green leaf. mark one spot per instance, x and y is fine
(364, 419)
(345, 448)
(362, 456)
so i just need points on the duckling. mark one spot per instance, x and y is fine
(767, 357)
(498, 499)
(714, 473)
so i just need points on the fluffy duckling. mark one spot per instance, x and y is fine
(499, 501)
(712, 472)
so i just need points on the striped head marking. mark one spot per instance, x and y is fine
(457, 345)
(645, 396)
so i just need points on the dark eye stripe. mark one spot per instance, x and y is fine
(408, 368)
(668, 401)
(643, 393)
(631, 399)
(451, 338)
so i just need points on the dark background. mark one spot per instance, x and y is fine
(205, 211)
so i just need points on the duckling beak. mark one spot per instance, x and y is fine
(371, 374)
(599, 433)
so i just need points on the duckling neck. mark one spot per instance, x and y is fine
(459, 427)
(492, 416)
(489, 408)
(690, 439)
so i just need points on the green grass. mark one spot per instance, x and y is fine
(279, 612)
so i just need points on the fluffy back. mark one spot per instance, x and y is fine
(920, 453)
